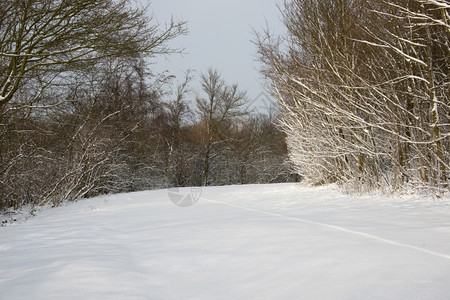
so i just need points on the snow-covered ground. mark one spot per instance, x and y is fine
(239, 242)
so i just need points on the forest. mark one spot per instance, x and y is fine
(362, 87)
(82, 113)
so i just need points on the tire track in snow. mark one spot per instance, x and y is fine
(335, 227)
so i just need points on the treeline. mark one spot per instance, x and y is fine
(81, 113)
(365, 90)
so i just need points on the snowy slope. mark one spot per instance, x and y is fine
(239, 242)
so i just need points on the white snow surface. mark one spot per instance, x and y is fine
(238, 242)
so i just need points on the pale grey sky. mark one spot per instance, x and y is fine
(220, 34)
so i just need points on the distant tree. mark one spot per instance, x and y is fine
(260, 150)
(178, 114)
(219, 109)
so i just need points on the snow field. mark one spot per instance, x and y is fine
(240, 242)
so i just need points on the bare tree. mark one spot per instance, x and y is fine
(218, 110)
(364, 87)
(41, 39)
(178, 113)
(73, 95)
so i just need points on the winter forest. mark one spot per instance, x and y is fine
(82, 113)
(364, 87)
(362, 90)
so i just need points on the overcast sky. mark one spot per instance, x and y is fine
(220, 34)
